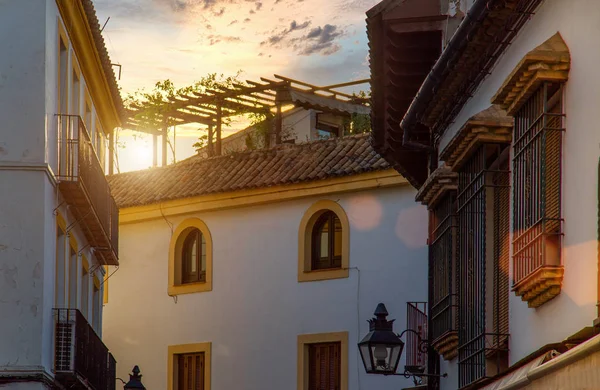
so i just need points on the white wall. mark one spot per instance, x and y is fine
(257, 307)
(22, 26)
(28, 196)
(578, 21)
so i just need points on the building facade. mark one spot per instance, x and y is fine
(260, 269)
(59, 103)
(499, 138)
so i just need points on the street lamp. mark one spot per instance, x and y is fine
(381, 348)
(135, 380)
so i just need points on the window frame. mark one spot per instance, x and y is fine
(174, 351)
(175, 286)
(327, 217)
(306, 273)
(188, 276)
(303, 363)
(537, 231)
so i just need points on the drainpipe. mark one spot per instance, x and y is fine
(460, 38)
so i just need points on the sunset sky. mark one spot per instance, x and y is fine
(318, 41)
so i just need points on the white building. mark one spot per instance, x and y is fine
(59, 103)
(231, 278)
(310, 117)
(506, 118)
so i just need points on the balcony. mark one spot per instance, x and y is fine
(416, 349)
(82, 183)
(81, 360)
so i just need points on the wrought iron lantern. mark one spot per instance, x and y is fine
(135, 380)
(381, 348)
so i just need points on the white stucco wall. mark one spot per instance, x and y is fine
(257, 307)
(578, 21)
(29, 201)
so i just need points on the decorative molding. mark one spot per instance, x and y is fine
(437, 184)
(489, 126)
(447, 345)
(541, 286)
(551, 61)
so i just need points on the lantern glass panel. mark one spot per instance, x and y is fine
(366, 357)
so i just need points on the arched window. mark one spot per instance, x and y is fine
(323, 243)
(193, 258)
(327, 242)
(190, 258)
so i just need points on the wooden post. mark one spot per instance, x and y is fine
(219, 117)
(154, 150)
(278, 125)
(211, 151)
(111, 153)
(165, 132)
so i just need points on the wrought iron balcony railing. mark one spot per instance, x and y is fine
(84, 186)
(416, 351)
(81, 360)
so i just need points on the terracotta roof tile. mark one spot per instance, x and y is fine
(284, 164)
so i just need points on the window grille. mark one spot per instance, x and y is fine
(442, 265)
(537, 167)
(482, 212)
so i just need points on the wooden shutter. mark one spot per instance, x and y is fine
(190, 375)
(501, 252)
(324, 366)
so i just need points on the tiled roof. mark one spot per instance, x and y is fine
(92, 18)
(284, 164)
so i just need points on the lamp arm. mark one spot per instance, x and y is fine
(411, 331)
(423, 344)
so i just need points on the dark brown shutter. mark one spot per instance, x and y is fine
(190, 372)
(501, 252)
(324, 362)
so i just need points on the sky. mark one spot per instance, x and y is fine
(322, 42)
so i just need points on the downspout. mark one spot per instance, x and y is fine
(460, 38)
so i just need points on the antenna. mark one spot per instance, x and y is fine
(105, 23)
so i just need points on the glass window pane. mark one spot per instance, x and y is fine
(193, 256)
(337, 238)
(324, 244)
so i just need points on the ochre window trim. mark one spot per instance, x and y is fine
(305, 340)
(305, 272)
(181, 349)
(175, 287)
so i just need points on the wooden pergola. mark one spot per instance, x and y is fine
(265, 97)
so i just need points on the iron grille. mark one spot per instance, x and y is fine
(81, 358)
(482, 350)
(537, 167)
(80, 173)
(442, 267)
(416, 320)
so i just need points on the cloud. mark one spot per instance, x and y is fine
(279, 36)
(213, 39)
(319, 40)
